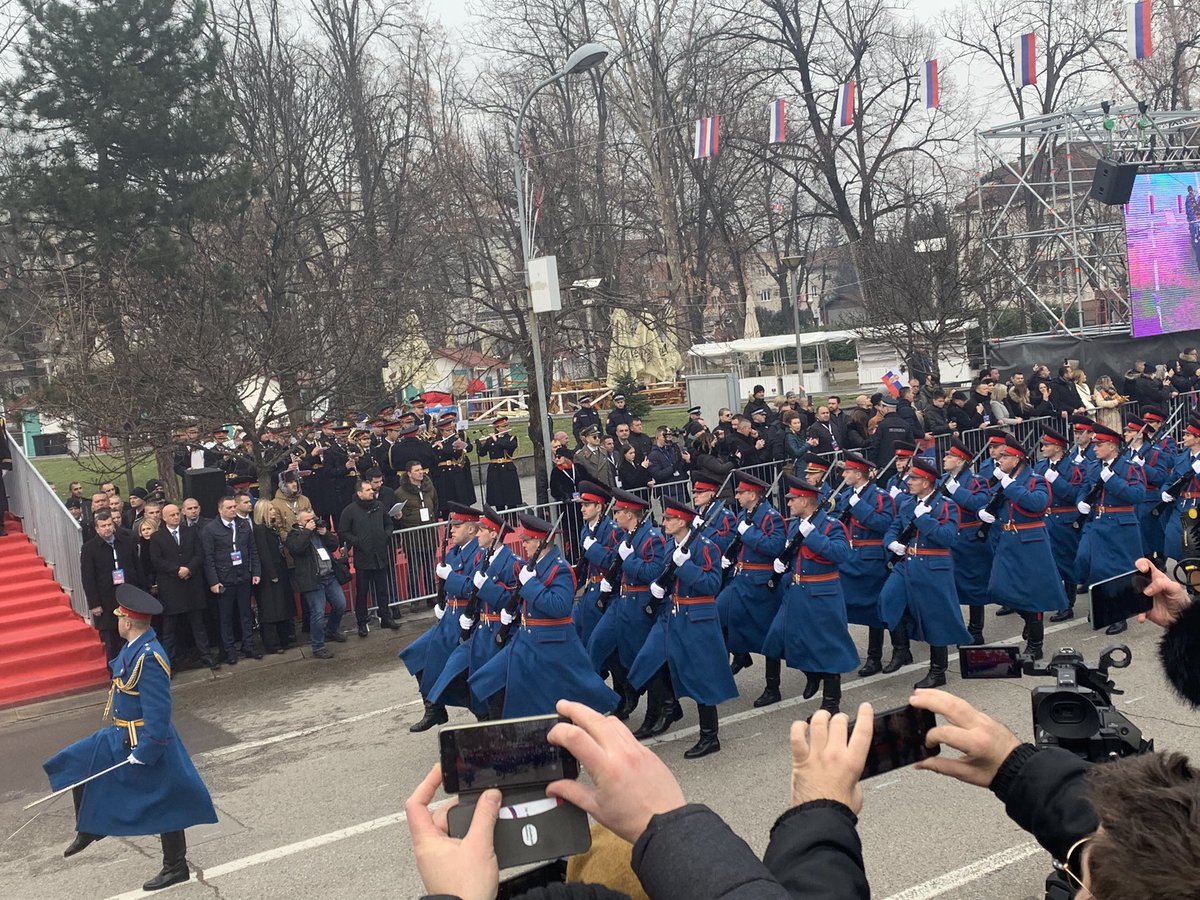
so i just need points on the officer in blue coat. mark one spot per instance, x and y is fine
(1024, 547)
(1156, 465)
(919, 599)
(599, 536)
(722, 528)
(1155, 420)
(972, 557)
(159, 791)
(867, 512)
(1065, 480)
(1084, 452)
(543, 660)
(492, 585)
(810, 630)
(1112, 538)
(623, 628)
(686, 637)
(897, 483)
(1184, 513)
(748, 604)
(816, 474)
(427, 655)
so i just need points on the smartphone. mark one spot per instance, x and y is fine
(504, 754)
(1117, 599)
(899, 740)
(990, 661)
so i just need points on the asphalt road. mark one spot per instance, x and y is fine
(309, 763)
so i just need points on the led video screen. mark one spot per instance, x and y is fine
(1162, 230)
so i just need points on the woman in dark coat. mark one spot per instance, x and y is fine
(273, 594)
(631, 475)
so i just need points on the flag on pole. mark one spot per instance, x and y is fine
(845, 104)
(778, 129)
(1137, 34)
(708, 135)
(930, 88)
(891, 382)
(1025, 59)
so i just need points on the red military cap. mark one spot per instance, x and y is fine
(533, 528)
(460, 512)
(923, 468)
(491, 519)
(674, 509)
(626, 500)
(1104, 433)
(747, 482)
(1013, 448)
(704, 483)
(590, 492)
(797, 487)
(961, 450)
(856, 461)
(905, 450)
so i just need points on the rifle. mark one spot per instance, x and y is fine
(846, 513)
(472, 611)
(1180, 484)
(993, 505)
(581, 567)
(441, 591)
(788, 552)
(735, 545)
(511, 606)
(664, 580)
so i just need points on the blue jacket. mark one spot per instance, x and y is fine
(723, 529)
(865, 570)
(1065, 491)
(1023, 548)
(972, 557)
(1112, 538)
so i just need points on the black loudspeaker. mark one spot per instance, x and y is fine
(1113, 182)
(207, 486)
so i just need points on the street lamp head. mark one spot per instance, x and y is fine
(584, 58)
(793, 262)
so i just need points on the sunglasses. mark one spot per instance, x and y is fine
(1072, 866)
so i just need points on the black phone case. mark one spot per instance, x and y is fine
(558, 832)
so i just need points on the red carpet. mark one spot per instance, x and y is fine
(47, 650)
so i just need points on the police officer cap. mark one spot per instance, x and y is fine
(693, 410)
(923, 468)
(1134, 423)
(585, 399)
(678, 510)
(1013, 447)
(626, 500)
(534, 528)
(959, 449)
(1054, 436)
(1153, 414)
(904, 449)
(798, 487)
(1104, 433)
(491, 518)
(135, 603)
(888, 400)
(590, 492)
(747, 482)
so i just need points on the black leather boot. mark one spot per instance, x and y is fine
(936, 676)
(770, 694)
(1035, 634)
(656, 697)
(1116, 627)
(975, 624)
(831, 696)
(874, 663)
(629, 697)
(1005, 611)
(669, 712)
(708, 743)
(740, 661)
(811, 685)
(82, 838)
(175, 867)
(901, 654)
(435, 714)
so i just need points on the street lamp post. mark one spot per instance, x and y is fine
(581, 60)
(794, 265)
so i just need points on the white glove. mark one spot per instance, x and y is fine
(465, 622)
(506, 618)
(743, 527)
(1167, 498)
(588, 541)
(605, 586)
(1196, 465)
(919, 510)
(438, 612)
(898, 548)
(806, 527)
(526, 574)
(442, 571)
(986, 516)
(1005, 479)
(625, 549)
(1137, 460)
(680, 556)
(1051, 475)
(1078, 459)
(1105, 473)
(658, 591)
(698, 522)
(725, 562)
(779, 566)
(855, 499)
(1084, 508)
(133, 759)
(893, 491)
(479, 579)
(951, 485)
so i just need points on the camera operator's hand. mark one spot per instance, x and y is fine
(631, 783)
(1170, 597)
(983, 741)
(827, 762)
(465, 867)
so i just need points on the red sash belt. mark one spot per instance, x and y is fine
(545, 623)
(805, 579)
(693, 601)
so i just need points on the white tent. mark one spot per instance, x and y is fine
(748, 346)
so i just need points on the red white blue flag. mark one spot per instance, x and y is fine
(845, 104)
(778, 126)
(708, 137)
(1025, 60)
(1137, 35)
(891, 382)
(931, 94)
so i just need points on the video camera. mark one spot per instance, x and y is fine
(1076, 713)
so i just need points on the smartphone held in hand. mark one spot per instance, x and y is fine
(899, 740)
(1117, 599)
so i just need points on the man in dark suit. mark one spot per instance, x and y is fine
(191, 514)
(178, 562)
(231, 568)
(108, 559)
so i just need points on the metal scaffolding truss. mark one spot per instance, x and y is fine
(1065, 252)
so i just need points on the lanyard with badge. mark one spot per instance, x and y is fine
(118, 574)
(235, 555)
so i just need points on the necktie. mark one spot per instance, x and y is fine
(175, 534)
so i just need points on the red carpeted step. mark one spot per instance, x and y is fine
(27, 583)
(26, 688)
(44, 612)
(81, 647)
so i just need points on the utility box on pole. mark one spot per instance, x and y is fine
(543, 284)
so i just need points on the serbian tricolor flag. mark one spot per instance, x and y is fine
(891, 382)
(845, 104)
(708, 136)
(1137, 35)
(931, 93)
(778, 128)
(1025, 59)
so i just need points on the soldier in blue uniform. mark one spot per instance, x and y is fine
(1112, 538)
(897, 483)
(684, 654)
(1065, 480)
(1024, 547)
(159, 791)
(723, 527)
(919, 599)
(816, 474)
(1084, 452)
(867, 512)
(1185, 510)
(427, 655)
(810, 630)
(543, 660)
(493, 582)
(622, 630)
(1154, 419)
(600, 537)
(747, 604)
(972, 557)
(1156, 465)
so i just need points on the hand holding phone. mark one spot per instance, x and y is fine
(898, 740)
(1117, 599)
(983, 741)
(828, 758)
